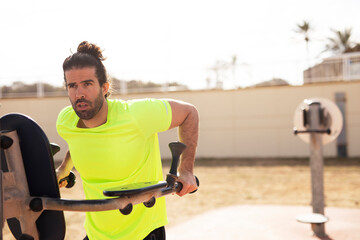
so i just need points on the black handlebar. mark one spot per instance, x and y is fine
(176, 149)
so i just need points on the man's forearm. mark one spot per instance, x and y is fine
(188, 134)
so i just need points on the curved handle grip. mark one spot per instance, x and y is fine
(176, 149)
(54, 148)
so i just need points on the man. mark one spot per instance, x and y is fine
(114, 142)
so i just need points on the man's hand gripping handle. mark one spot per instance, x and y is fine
(176, 149)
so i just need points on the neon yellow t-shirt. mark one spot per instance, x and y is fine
(122, 151)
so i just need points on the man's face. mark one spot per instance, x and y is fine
(85, 93)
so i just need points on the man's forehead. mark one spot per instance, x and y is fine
(80, 74)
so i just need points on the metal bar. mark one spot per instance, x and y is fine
(328, 131)
(19, 203)
(100, 204)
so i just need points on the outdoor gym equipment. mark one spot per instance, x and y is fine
(317, 121)
(29, 193)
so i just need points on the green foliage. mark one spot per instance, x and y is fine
(340, 42)
(304, 28)
(20, 87)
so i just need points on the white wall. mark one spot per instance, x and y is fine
(252, 122)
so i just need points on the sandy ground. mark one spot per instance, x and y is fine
(250, 222)
(265, 222)
(251, 200)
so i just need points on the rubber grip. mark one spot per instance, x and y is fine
(176, 149)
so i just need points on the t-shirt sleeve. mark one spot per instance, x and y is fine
(63, 119)
(151, 115)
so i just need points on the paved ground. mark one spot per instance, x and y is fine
(257, 222)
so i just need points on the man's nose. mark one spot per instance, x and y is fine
(80, 93)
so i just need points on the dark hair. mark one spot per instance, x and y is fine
(87, 55)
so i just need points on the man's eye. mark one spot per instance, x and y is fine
(87, 83)
(71, 86)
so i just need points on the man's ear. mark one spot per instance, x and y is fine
(105, 88)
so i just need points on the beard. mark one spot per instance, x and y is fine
(92, 111)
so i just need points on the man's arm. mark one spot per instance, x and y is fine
(64, 169)
(186, 117)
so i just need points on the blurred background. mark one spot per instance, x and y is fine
(186, 45)
(246, 66)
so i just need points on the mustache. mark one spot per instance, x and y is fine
(82, 101)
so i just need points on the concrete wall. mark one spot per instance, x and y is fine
(253, 122)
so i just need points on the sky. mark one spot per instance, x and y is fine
(170, 41)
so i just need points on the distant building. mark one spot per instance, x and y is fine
(344, 67)
(273, 82)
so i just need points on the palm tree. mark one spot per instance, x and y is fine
(304, 28)
(341, 42)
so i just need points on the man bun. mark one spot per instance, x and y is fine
(92, 49)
